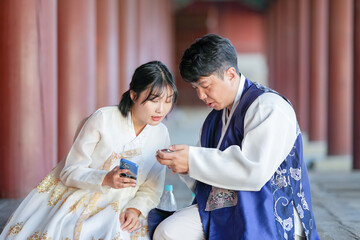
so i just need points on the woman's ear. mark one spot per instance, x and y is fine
(132, 95)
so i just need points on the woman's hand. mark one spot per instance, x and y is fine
(114, 180)
(130, 220)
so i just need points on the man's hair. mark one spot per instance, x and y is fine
(211, 54)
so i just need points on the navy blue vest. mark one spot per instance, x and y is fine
(264, 214)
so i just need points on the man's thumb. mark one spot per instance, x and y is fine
(177, 147)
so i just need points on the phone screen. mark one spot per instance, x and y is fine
(133, 167)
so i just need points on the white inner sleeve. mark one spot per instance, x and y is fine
(269, 134)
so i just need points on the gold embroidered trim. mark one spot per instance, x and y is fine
(85, 215)
(127, 154)
(96, 211)
(15, 229)
(115, 206)
(57, 194)
(46, 184)
(89, 209)
(142, 232)
(77, 204)
(38, 236)
(117, 237)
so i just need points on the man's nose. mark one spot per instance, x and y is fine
(200, 94)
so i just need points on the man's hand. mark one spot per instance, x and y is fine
(130, 220)
(177, 161)
(114, 180)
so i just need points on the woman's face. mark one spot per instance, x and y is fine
(152, 111)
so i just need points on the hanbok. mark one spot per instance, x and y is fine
(70, 203)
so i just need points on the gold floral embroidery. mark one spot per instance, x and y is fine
(95, 211)
(15, 229)
(85, 215)
(77, 204)
(131, 153)
(127, 154)
(115, 206)
(142, 232)
(109, 162)
(38, 236)
(46, 184)
(118, 237)
(57, 194)
(70, 189)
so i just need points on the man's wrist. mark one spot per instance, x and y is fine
(136, 211)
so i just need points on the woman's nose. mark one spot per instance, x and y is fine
(160, 107)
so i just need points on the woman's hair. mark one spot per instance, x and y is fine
(154, 75)
(211, 54)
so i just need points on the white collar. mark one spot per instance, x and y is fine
(226, 119)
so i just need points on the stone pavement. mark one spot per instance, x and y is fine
(335, 188)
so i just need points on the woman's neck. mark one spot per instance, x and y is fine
(138, 127)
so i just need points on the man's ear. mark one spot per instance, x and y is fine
(132, 95)
(231, 74)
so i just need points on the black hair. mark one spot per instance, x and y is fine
(154, 75)
(211, 54)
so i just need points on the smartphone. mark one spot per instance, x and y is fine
(166, 150)
(133, 167)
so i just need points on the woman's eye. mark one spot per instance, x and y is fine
(155, 100)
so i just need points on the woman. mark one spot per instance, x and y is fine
(85, 197)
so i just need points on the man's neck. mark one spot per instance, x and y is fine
(234, 94)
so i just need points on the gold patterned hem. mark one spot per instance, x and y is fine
(47, 183)
(15, 229)
(141, 233)
(38, 236)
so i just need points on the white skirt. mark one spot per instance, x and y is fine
(54, 211)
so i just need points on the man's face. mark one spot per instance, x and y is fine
(217, 93)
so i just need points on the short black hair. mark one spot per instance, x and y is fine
(153, 75)
(211, 54)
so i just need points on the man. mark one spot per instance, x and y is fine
(248, 174)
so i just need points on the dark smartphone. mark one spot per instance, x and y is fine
(133, 167)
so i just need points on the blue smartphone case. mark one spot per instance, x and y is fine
(133, 167)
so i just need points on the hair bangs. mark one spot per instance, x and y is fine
(156, 90)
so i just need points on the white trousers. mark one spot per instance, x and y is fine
(185, 224)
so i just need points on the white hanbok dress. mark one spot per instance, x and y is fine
(70, 203)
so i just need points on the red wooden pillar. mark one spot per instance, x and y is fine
(128, 46)
(77, 67)
(280, 65)
(27, 93)
(356, 121)
(340, 77)
(107, 58)
(290, 67)
(303, 64)
(271, 43)
(147, 30)
(164, 36)
(318, 70)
